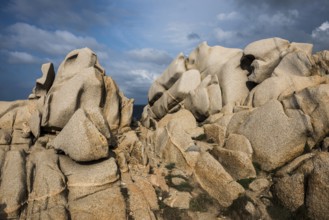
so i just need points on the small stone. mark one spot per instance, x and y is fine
(237, 163)
(216, 133)
(250, 208)
(259, 185)
(238, 142)
(177, 181)
(178, 199)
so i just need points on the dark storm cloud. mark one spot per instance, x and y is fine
(311, 11)
(136, 40)
(75, 15)
(274, 4)
(193, 36)
(291, 19)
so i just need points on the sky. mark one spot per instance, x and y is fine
(135, 40)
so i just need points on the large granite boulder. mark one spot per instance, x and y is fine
(300, 186)
(81, 140)
(276, 135)
(46, 186)
(225, 64)
(164, 82)
(293, 74)
(78, 84)
(188, 81)
(206, 99)
(13, 189)
(313, 101)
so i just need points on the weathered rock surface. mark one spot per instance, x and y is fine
(203, 101)
(167, 78)
(13, 188)
(313, 101)
(266, 54)
(218, 183)
(318, 185)
(224, 63)
(180, 200)
(276, 136)
(44, 83)
(81, 140)
(95, 197)
(282, 117)
(290, 191)
(236, 142)
(188, 81)
(229, 133)
(71, 112)
(237, 163)
(46, 186)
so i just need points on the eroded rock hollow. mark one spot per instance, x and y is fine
(227, 133)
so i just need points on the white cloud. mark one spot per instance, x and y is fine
(227, 16)
(226, 37)
(143, 74)
(251, 28)
(150, 55)
(134, 77)
(322, 28)
(56, 42)
(21, 57)
(279, 18)
(321, 35)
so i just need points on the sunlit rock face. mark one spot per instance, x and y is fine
(258, 110)
(230, 133)
(57, 147)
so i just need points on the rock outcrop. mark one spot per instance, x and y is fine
(232, 133)
(257, 110)
(56, 160)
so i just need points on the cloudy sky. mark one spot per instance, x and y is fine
(136, 39)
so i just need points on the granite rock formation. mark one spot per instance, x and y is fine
(257, 112)
(227, 133)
